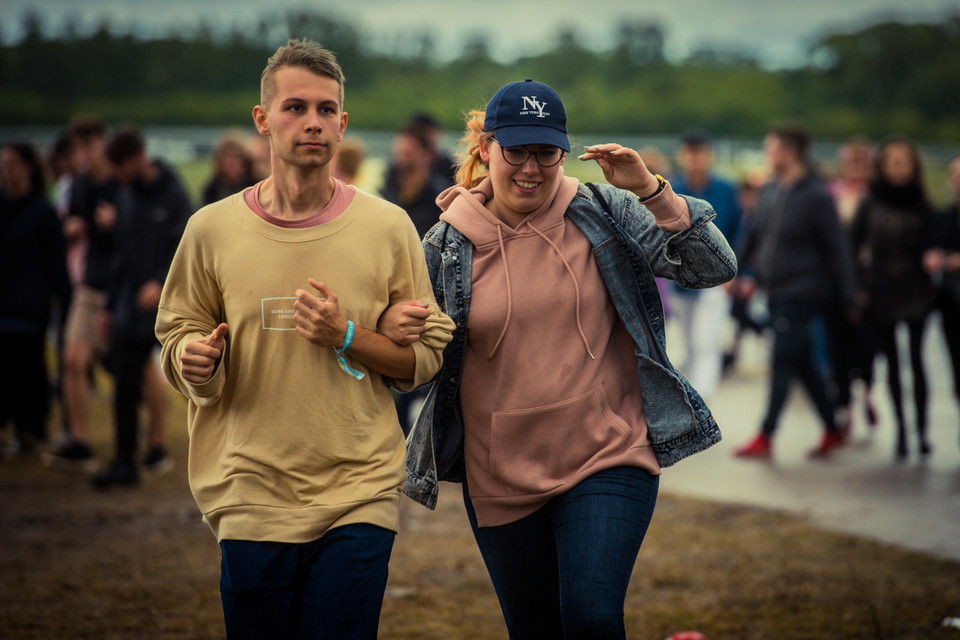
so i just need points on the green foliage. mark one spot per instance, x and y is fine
(886, 77)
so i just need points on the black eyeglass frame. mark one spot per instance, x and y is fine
(535, 154)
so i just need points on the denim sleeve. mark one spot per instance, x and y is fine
(698, 257)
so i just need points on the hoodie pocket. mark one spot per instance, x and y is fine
(537, 450)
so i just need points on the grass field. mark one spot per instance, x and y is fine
(140, 564)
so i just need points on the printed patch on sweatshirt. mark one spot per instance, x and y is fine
(277, 314)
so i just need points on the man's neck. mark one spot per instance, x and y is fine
(411, 183)
(698, 181)
(792, 175)
(297, 194)
(100, 171)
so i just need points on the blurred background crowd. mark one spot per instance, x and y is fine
(91, 221)
(91, 209)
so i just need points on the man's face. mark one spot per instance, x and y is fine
(14, 174)
(88, 152)
(408, 155)
(126, 171)
(304, 120)
(779, 156)
(955, 177)
(695, 159)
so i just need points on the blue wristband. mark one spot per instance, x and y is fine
(347, 341)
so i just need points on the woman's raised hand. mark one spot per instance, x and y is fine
(622, 167)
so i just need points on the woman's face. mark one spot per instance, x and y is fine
(518, 190)
(14, 173)
(897, 164)
(233, 166)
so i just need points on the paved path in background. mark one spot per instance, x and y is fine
(859, 490)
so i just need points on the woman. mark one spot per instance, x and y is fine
(33, 270)
(232, 170)
(890, 233)
(556, 405)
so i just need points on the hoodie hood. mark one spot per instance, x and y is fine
(466, 211)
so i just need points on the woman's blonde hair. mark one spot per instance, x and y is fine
(472, 169)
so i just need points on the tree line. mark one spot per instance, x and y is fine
(886, 77)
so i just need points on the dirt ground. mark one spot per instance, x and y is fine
(138, 563)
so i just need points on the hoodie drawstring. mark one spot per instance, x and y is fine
(506, 271)
(506, 274)
(576, 287)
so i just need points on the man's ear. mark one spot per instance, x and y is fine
(260, 120)
(343, 126)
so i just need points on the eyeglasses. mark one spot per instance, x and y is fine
(517, 156)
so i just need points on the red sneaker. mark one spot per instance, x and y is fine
(687, 635)
(831, 440)
(759, 447)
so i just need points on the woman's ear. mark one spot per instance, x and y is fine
(485, 149)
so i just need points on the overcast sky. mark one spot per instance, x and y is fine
(777, 31)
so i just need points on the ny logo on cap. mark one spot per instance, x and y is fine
(531, 104)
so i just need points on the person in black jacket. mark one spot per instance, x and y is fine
(151, 212)
(801, 258)
(33, 270)
(942, 261)
(890, 234)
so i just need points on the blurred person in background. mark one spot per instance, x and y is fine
(852, 349)
(33, 273)
(556, 404)
(444, 164)
(795, 250)
(659, 164)
(704, 314)
(62, 167)
(259, 149)
(743, 301)
(852, 180)
(233, 170)
(414, 183)
(152, 208)
(890, 235)
(942, 262)
(348, 160)
(87, 225)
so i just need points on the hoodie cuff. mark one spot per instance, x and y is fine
(669, 210)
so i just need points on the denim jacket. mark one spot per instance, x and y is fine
(630, 249)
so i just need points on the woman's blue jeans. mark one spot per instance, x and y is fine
(563, 571)
(329, 588)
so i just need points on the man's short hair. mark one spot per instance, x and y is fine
(792, 136)
(125, 144)
(420, 134)
(304, 54)
(695, 138)
(85, 128)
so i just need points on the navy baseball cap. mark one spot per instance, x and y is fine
(527, 112)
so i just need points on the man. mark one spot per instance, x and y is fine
(151, 210)
(942, 261)
(93, 192)
(798, 251)
(414, 184)
(268, 321)
(703, 314)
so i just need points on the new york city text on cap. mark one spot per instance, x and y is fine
(527, 112)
